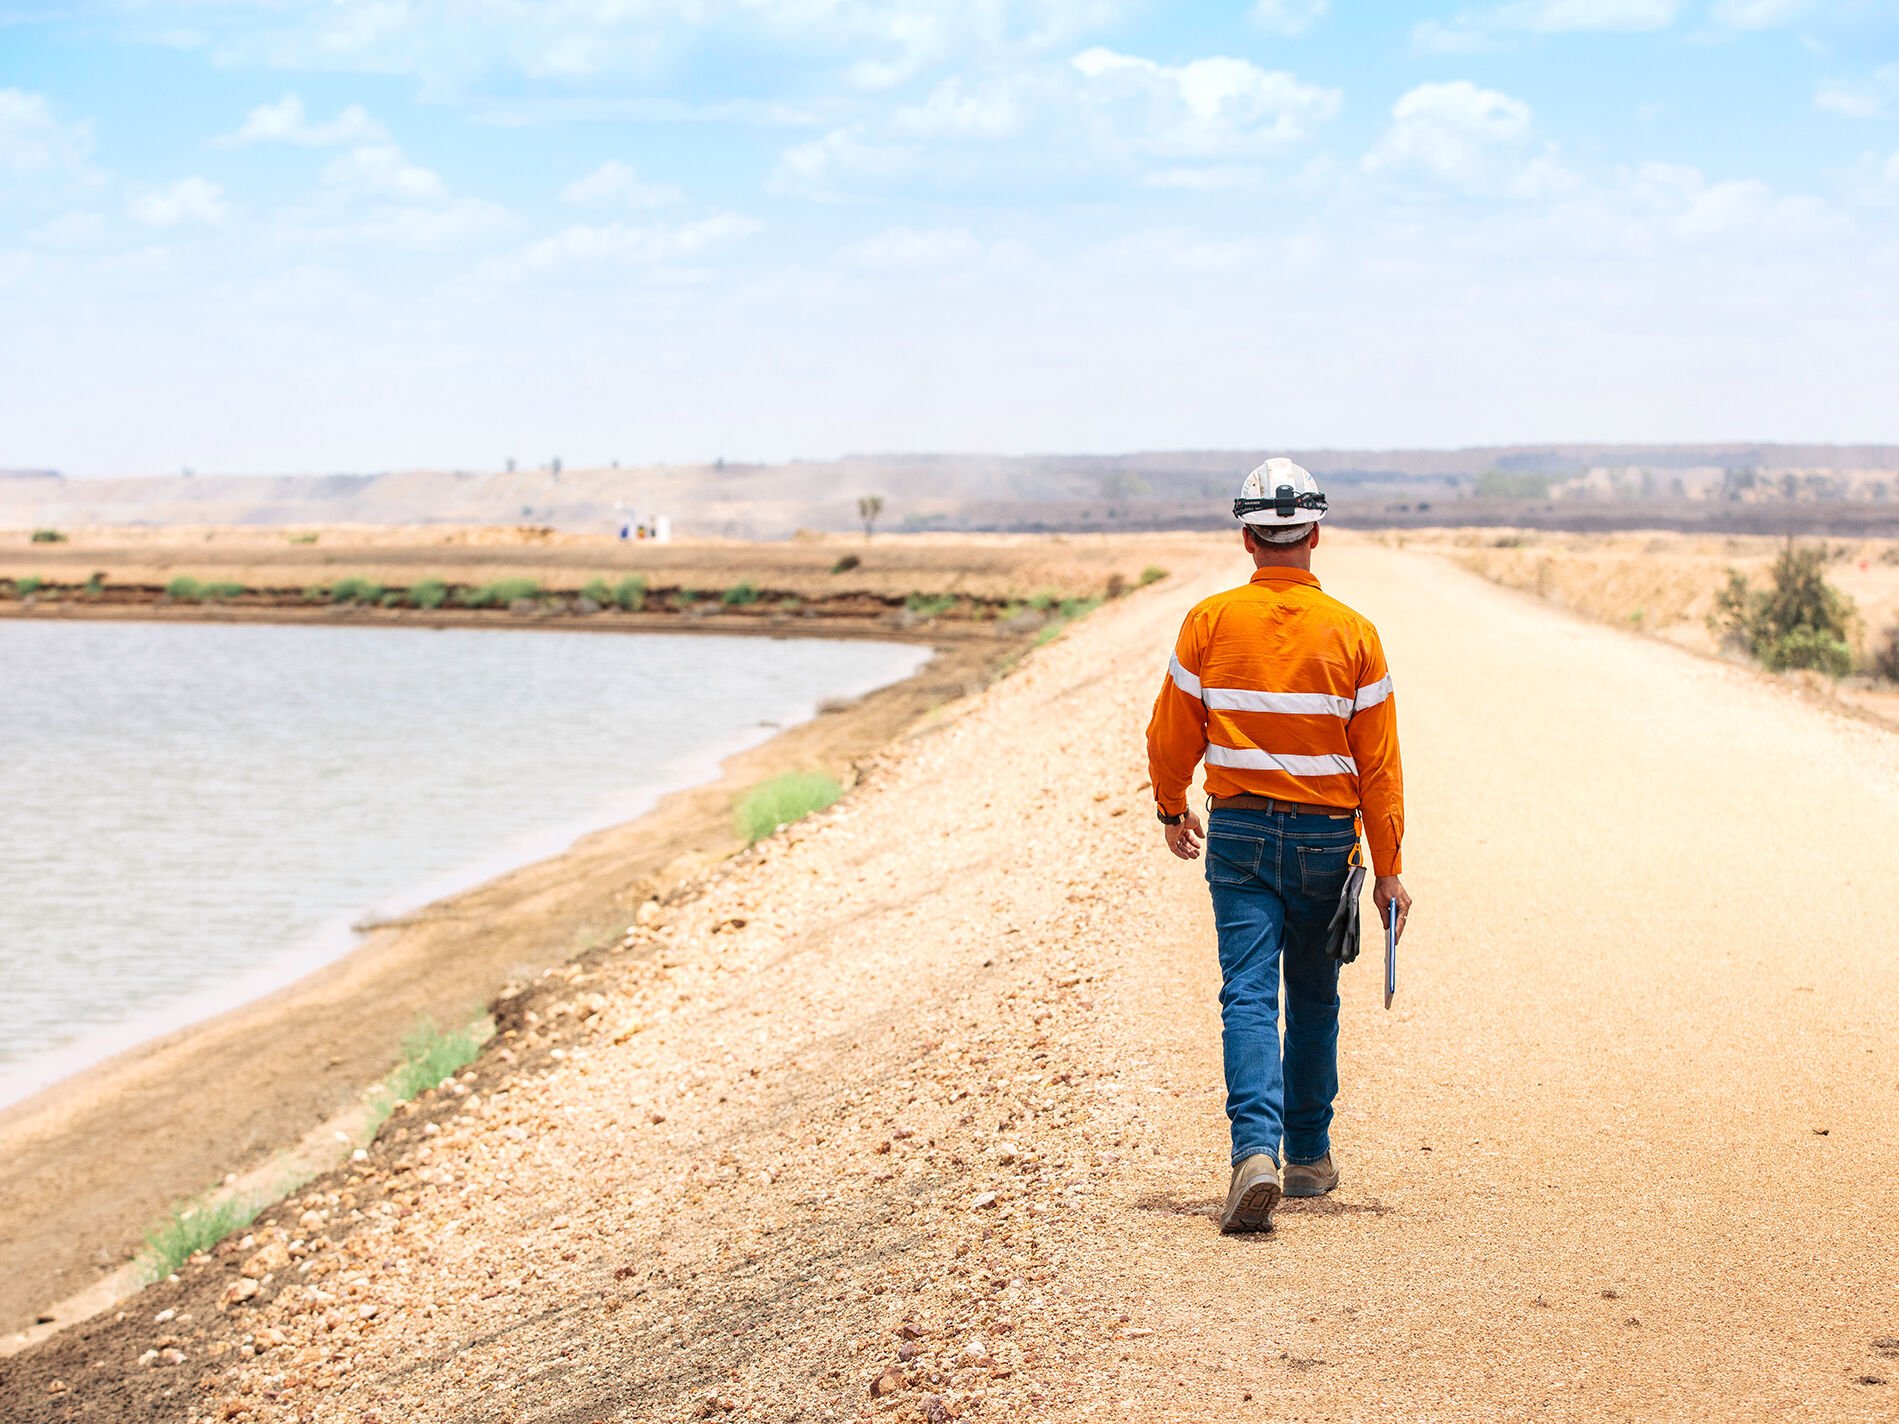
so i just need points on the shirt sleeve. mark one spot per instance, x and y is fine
(1177, 732)
(1372, 732)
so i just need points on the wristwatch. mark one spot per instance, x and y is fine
(1167, 820)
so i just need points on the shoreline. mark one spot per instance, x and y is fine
(92, 1161)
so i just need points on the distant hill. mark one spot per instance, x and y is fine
(1715, 484)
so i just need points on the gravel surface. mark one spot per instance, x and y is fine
(914, 1112)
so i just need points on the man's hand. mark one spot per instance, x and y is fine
(1389, 895)
(1184, 839)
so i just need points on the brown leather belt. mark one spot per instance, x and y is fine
(1246, 801)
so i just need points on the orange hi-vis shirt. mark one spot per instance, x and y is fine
(1285, 692)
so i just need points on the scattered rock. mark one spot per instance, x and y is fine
(274, 1257)
(889, 1382)
(983, 1201)
(240, 1290)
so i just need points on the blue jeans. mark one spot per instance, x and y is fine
(1276, 879)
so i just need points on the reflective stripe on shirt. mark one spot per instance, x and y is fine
(1254, 759)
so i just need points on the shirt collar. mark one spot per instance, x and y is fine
(1274, 573)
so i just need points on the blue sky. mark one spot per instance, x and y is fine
(293, 235)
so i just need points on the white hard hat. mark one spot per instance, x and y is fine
(1280, 501)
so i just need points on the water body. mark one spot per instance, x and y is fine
(191, 815)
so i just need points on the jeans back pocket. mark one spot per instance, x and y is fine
(1233, 860)
(1322, 869)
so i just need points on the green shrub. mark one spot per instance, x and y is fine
(193, 1227)
(598, 591)
(1798, 621)
(28, 583)
(1886, 657)
(1078, 607)
(356, 590)
(217, 592)
(1043, 601)
(430, 1055)
(1153, 573)
(846, 564)
(95, 585)
(930, 605)
(685, 597)
(784, 799)
(184, 590)
(390, 599)
(303, 538)
(48, 536)
(630, 593)
(429, 593)
(500, 593)
(739, 595)
(316, 593)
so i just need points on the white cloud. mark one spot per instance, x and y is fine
(1473, 31)
(1205, 107)
(381, 170)
(1456, 132)
(34, 141)
(843, 154)
(1866, 100)
(1759, 14)
(1693, 207)
(189, 200)
(628, 245)
(1289, 17)
(71, 229)
(286, 122)
(957, 109)
(905, 249)
(1207, 178)
(615, 184)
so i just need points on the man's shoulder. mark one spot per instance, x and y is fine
(1314, 597)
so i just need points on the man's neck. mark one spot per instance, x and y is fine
(1299, 558)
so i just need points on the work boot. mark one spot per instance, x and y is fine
(1311, 1179)
(1253, 1195)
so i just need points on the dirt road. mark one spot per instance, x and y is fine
(915, 1112)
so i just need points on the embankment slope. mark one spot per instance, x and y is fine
(924, 1096)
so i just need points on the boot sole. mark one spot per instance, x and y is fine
(1312, 1191)
(1253, 1211)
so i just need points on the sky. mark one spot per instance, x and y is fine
(357, 235)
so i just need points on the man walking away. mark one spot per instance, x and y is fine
(1285, 692)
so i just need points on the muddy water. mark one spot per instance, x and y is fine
(191, 815)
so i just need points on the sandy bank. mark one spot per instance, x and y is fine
(87, 1166)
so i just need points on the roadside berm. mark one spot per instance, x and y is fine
(914, 1110)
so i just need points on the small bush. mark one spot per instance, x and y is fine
(428, 1056)
(303, 538)
(739, 595)
(685, 597)
(48, 536)
(846, 564)
(196, 1226)
(598, 591)
(218, 592)
(184, 590)
(316, 593)
(430, 593)
(1043, 601)
(1078, 607)
(1886, 657)
(930, 605)
(95, 585)
(630, 593)
(784, 799)
(1117, 585)
(1153, 573)
(1798, 621)
(500, 593)
(356, 590)
(390, 599)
